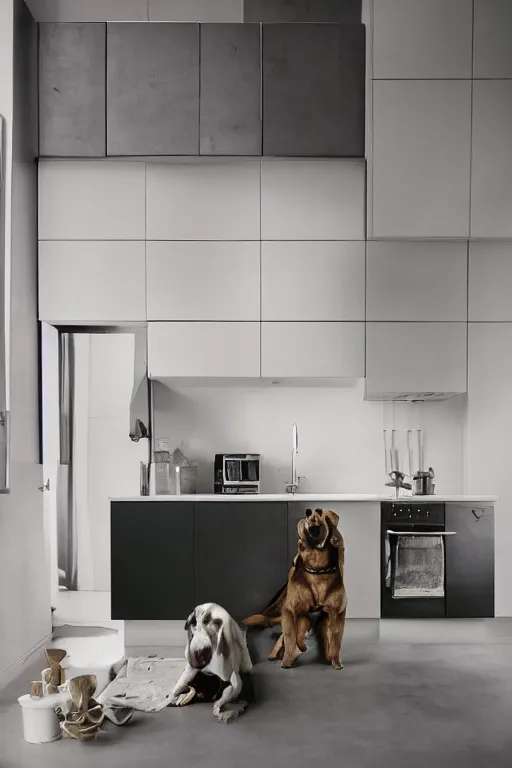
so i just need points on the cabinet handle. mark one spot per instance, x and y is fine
(478, 516)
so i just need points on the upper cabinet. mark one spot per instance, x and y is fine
(408, 359)
(210, 200)
(312, 280)
(152, 89)
(312, 200)
(313, 90)
(138, 89)
(72, 90)
(490, 281)
(420, 281)
(491, 176)
(420, 185)
(422, 39)
(492, 53)
(91, 201)
(230, 103)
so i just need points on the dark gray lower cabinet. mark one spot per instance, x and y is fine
(72, 90)
(469, 561)
(314, 90)
(230, 104)
(240, 554)
(152, 559)
(152, 89)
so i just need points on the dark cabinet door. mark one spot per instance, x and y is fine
(152, 570)
(469, 561)
(314, 90)
(152, 89)
(230, 104)
(72, 90)
(240, 554)
(345, 11)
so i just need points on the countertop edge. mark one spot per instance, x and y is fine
(308, 497)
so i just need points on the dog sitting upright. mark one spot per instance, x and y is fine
(217, 663)
(315, 584)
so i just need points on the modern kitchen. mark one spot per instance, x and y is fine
(260, 263)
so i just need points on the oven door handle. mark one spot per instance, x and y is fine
(422, 533)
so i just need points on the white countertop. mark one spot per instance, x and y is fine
(307, 497)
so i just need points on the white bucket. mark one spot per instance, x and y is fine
(40, 722)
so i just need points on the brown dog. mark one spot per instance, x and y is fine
(315, 583)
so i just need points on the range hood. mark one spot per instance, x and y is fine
(409, 397)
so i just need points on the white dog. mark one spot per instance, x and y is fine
(216, 646)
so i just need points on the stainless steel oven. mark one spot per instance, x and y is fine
(401, 522)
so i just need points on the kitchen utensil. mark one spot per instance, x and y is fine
(423, 483)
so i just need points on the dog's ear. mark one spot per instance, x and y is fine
(225, 640)
(332, 518)
(189, 621)
(301, 531)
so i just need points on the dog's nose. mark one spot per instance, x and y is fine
(202, 658)
(314, 530)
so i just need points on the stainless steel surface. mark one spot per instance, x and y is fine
(177, 481)
(422, 533)
(144, 479)
(423, 483)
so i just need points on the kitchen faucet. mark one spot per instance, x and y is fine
(293, 487)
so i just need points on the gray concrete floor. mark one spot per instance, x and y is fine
(395, 704)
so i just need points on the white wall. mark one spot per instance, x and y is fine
(24, 572)
(340, 435)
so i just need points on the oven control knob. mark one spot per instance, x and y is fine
(428, 513)
(394, 514)
(410, 516)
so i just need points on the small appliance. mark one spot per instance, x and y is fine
(237, 473)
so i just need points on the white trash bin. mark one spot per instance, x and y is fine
(40, 722)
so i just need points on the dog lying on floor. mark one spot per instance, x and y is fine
(218, 663)
(315, 584)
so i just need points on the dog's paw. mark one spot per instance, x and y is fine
(182, 699)
(336, 663)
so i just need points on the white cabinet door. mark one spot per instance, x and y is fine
(203, 280)
(491, 177)
(408, 280)
(312, 280)
(492, 53)
(414, 358)
(206, 200)
(421, 158)
(490, 282)
(312, 350)
(312, 199)
(93, 200)
(422, 39)
(91, 282)
(204, 350)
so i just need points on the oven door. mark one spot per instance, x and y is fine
(406, 607)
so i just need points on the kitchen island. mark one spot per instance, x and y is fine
(169, 553)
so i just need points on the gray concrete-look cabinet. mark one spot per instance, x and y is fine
(407, 280)
(492, 54)
(312, 280)
(416, 39)
(490, 281)
(152, 89)
(314, 90)
(344, 11)
(314, 350)
(413, 358)
(491, 176)
(190, 350)
(420, 180)
(230, 103)
(72, 90)
(251, 540)
(203, 280)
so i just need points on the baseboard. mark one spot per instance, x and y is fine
(15, 670)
